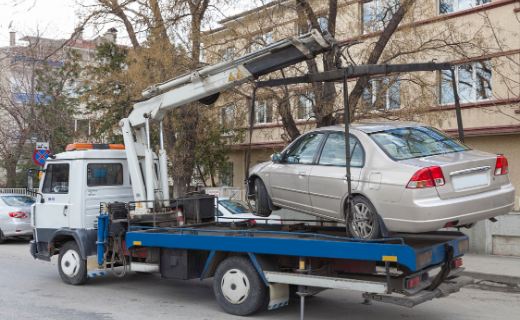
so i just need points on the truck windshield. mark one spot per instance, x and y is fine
(416, 142)
(235, 206)
(18, 201)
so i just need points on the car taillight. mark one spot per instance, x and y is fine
(410, 283)
(427, 178)
(253, 221)
(457, 263)
(451, 223)
(19, 215)
(502, 166)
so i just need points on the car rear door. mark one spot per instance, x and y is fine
(328, 183)
(289, 179)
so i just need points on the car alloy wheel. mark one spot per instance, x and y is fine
(363, 222)
(235, 286)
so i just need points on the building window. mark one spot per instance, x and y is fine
(448, 6)
(227, 53)
(264, 111)
(323, 21)
(473, 82)
(304, 107)
(226, 176)
(382, 94)
(377, 13)
(261, 40)
(227, 118)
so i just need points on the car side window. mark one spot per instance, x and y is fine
(56, 178)
(304, 150)
(333, 152)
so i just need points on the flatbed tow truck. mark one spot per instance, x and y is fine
(104, 206)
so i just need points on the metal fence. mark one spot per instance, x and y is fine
(16, 190)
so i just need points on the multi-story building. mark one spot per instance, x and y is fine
(480, 37)
(18, 86)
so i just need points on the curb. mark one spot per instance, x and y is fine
(510, 280)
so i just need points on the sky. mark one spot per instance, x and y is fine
(57, 18)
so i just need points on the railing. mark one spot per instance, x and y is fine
(16, 190)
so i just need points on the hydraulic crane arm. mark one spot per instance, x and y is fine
(206, 84)
(203, 85)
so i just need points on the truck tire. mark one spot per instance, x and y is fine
(262, 200)
(238, 287)
(72, 267)
(370, 228)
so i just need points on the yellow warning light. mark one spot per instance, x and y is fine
(137, 243)
(390, 258)
(40, 175)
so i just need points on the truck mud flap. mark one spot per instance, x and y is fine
(443, 290)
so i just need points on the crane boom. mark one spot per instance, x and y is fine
(202, 85)
(212, 80)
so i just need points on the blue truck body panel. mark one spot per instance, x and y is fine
(309, 245)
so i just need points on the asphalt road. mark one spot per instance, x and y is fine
(32, 289)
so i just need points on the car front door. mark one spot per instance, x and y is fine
(53, 212)
(328, 183)
(289, 180)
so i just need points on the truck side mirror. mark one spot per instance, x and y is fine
(276, 157)
(29, 181)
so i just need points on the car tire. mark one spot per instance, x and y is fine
(370, 228)
(72, 267)
(262, 200)
(2, 240)
(238, 287)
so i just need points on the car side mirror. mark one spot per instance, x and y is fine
(276, 157)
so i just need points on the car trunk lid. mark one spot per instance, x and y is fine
(465, 173)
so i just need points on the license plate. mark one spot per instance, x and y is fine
(470, 181)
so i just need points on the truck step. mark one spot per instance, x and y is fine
(96, 272)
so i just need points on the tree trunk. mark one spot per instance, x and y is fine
(377, 52)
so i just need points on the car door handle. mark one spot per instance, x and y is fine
(64, 210)
(302, 173)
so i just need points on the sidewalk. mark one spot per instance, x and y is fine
(492, 268)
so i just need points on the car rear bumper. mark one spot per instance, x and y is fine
(433, 214)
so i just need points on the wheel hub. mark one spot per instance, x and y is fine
(363, 221)
(70, 263)
(235, 286)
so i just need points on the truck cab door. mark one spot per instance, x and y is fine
(54, 212)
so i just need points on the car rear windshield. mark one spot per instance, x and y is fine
(416, 142)
(18, 201)
(235, 206)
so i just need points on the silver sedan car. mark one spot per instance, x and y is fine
(15, 216)
(406, 177)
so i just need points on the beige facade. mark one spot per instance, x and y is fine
(487, 39)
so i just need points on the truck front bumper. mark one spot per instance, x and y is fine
(443, 290)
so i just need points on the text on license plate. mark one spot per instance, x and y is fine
(470, 180)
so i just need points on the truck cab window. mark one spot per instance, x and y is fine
(56, 178)
(104, 174)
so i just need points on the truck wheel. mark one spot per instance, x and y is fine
(365, 220)
(238, 287)
(72, 267)
(262, 200)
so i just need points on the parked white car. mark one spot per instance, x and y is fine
(233, 210)
(15, 216)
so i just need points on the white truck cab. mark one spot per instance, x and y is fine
(73, 185)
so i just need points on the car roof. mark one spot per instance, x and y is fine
(373, 126)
